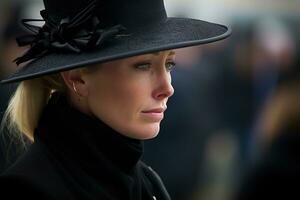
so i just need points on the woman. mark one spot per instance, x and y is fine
(96, 86)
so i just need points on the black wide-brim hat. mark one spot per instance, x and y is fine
(78, 33)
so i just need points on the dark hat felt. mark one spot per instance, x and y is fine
(78, 33)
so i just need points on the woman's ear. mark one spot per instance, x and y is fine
(75, 83)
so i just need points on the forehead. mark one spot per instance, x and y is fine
(169, 53)
(133, 58)
(154, 54)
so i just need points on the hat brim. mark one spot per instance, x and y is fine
(173, 33)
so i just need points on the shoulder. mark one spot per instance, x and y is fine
(14, 187)
(34, 174)
(33, 163)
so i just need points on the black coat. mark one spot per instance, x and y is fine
(75, 156)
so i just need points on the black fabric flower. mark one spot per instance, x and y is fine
(82, 32)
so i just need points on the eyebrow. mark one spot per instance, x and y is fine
(170, 54)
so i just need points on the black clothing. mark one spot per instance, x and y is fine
(75, 156)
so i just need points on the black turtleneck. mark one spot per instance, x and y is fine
(84, 139)
(76, 156)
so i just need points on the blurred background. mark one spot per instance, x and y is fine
(231, 128)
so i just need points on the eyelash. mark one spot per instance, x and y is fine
(173, 64)
(141, 66)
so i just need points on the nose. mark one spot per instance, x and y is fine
(164, 88)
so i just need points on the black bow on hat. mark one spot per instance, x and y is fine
(70, 34)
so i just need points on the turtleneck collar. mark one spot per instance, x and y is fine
(84, 140)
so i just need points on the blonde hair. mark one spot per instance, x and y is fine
(25, 106)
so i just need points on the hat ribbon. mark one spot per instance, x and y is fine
(82, 32)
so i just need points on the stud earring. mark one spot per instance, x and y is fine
(76, 91)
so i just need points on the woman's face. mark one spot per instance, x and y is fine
(130, 95)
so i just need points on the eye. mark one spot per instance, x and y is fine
(142, 66)
(170, 65)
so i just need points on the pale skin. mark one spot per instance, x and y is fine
(130, 95)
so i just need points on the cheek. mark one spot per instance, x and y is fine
(117, 100)
(119, 106)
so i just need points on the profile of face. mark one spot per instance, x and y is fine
(130, 95)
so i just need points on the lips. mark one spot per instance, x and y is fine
(153, 115)
(155, 110)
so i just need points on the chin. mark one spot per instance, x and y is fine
(146, 133)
